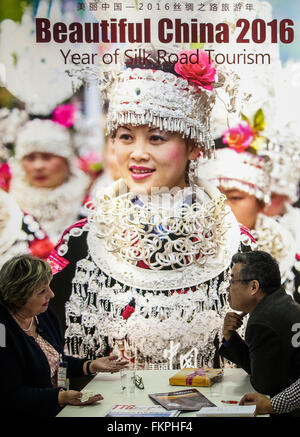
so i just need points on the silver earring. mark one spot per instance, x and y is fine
(193, 164)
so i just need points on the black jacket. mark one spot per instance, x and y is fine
(269, 353)
(26, 388)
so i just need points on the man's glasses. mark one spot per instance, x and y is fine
(239, 280)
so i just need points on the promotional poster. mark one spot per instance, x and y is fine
(143, 145)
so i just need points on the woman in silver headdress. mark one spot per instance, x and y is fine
(146, 274)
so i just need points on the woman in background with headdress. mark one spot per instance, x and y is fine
(284, 150)
(20, 233)
(45, 180)
(242, 172)
(284, 192)
(146, 275)
(50, 193)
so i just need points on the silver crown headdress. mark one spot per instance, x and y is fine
(172, 102)
(151, 93)
(177, 101)
(242, 171)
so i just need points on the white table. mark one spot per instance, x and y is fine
(235, 383)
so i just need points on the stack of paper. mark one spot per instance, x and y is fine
(140, 411)
(232, 411)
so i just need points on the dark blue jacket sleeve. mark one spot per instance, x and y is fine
(21, 393)
(26, 385)
(237, 351)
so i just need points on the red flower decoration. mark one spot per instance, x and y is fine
(5, 176)
(64, 115)
(128, 310)
(240, 137)
(195, 67)
(41, 248)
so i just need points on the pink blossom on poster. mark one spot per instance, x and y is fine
(198, 69)
(240, 137)
(64, 115)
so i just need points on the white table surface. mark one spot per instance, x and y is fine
(234, 385)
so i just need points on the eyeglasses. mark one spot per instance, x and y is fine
(239, 280)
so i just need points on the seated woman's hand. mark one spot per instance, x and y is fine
(111, 364)
(73, 397)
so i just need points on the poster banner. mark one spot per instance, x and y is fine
(139, 276)
(251, 38)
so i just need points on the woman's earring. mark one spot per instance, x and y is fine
(193, 164)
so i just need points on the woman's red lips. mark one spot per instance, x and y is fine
(139, 172)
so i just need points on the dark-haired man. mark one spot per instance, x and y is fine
(268, 354)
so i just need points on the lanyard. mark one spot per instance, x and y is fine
(62, 381)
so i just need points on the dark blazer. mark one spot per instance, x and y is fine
(267, 353)
(26, 388)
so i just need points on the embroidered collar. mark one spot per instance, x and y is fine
(55, 209)
(276, 240)
(194, 241)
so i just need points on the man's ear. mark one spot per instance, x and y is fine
(254, 284)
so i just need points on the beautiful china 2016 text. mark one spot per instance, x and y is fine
(168, 31)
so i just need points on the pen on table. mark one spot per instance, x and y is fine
(230, 402)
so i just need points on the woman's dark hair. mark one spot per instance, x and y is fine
(219, 143)
(151, 61)
(261, 266)
(20, 277)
